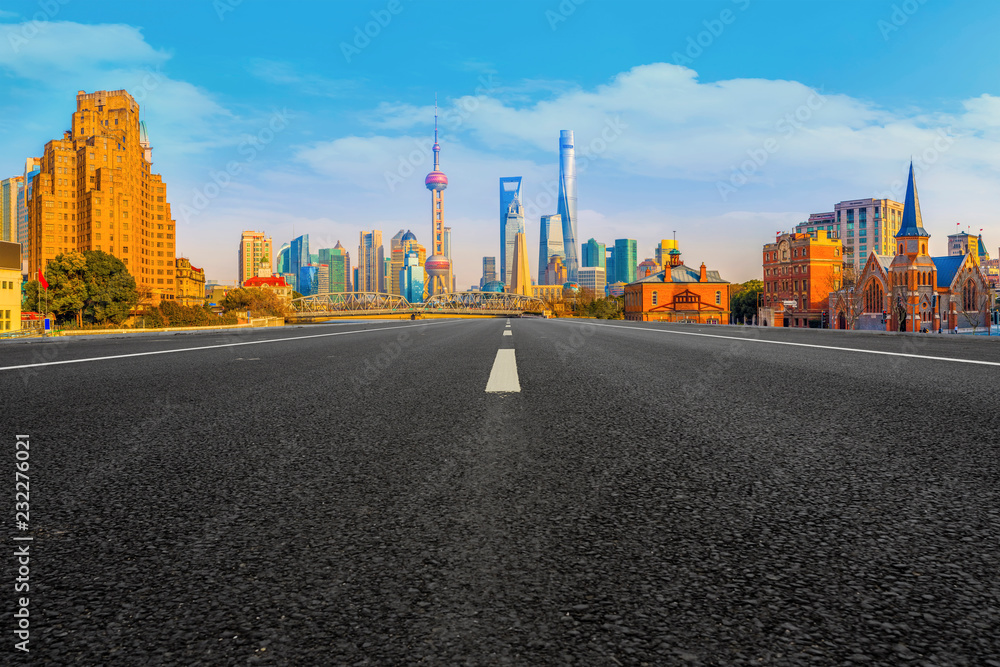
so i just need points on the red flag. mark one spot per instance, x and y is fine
(42, 280)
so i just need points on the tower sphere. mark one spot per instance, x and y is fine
(436, 180)
(437, 265)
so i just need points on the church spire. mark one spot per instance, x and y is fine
(912, 224)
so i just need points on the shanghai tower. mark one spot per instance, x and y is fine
(567, 202)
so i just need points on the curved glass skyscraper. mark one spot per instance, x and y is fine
(567, 201)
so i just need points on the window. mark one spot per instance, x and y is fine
(654, 297)
(718, 298)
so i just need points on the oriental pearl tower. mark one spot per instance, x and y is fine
(437, 265)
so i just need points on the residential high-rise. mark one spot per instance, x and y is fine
(298, 258)
(511, 223)
(489, 271)
(95, 191)
(550, 242)
(567, 200)
(594, 254)
(555, 272)
(520, 273)
(31, 167)
(9, 188)
(255, 249)
(592, 278)
(322, 278)
(437, 266)
(625, 260)
(864, 225)
(371, 262)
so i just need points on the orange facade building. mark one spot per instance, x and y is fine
(95, 191)
(800, 271)
(679, 294)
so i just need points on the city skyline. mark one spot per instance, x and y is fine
(671, 126)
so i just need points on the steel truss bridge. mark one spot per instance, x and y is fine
(361, 304)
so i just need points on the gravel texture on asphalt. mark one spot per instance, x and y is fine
(647, 498)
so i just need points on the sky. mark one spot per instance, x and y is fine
(720, 121)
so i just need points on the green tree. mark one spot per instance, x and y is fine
(745, 297)
(29, 297)
(67, 293)
(111, 292)
(259, 301)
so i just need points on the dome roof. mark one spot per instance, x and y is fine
(436, 180)
(674, 251)
(409, 236)
(493, 286)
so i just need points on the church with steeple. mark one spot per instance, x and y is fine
(912, 291)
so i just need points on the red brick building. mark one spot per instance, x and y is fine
(800, 271)
(679, 294)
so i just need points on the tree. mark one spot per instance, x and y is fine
(745, 297)
(259, 301)
(111, 292)
(67, 293)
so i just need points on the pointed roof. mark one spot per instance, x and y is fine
(947, 267)
(982, 248)
(338, 246)
(912, 224)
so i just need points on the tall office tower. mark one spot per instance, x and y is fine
(594, 254)
(298, 258)
(511, 223)
(437, 266)
(308, 280)
(9, 189)
(567, 200)
(411, 276)
(281, 261)
(625, 260)
(662, 251)
(609, 265)
(354, 280)
(400, 247)
(371, 262)
(340, 269)
(520, 273)
(396, 261)
(489, 271)
(31, 167)
(447, 253)
(550, 242)
(95, 191)
(255, 249)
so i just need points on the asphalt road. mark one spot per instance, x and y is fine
(653, 494)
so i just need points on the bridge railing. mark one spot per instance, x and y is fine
(490, 303)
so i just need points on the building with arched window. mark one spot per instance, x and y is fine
(679, 294)
(912, 291)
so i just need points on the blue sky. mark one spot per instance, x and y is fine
(724, 121)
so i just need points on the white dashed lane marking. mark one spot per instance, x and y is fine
(503, 377)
